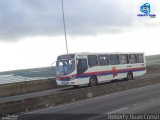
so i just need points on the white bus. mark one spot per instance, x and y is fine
(93, 68)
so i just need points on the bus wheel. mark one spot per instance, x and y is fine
(130, 76)
(93, 81)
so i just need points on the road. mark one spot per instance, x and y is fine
(141, 100)
(52, 91)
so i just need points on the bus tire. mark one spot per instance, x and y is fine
(130, 76)
(93, 81)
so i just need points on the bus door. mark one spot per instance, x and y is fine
(81, 65)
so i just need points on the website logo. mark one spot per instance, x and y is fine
(146, 10)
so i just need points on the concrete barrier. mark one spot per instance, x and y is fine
(153, 69)
(72, 95)
(27, 87)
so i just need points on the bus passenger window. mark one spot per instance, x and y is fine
(132, 58)
(92, 60)
(124, 59)
(114, 59)
(140, 58)
(103, 60)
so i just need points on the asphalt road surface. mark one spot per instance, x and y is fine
(141, 100)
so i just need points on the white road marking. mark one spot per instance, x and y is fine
(117, 110)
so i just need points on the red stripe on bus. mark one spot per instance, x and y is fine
(101, 72)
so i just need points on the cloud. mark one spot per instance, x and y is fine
(22, 18)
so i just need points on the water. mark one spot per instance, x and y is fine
(10, 78)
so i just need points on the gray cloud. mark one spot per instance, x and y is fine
(21, 18)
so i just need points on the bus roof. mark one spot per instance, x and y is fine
(90, 53)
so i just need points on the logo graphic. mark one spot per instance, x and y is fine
(114, 71)
(145, 8)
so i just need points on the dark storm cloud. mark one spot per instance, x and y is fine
(21, 18)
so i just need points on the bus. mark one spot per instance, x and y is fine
(93, 68)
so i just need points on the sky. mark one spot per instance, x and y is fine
(32, 34)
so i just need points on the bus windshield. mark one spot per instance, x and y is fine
(65, 67)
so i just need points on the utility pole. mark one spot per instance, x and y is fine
(64, 25)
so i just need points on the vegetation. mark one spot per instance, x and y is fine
(34, 72)
(153, 60)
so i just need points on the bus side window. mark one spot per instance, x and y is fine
(132, 58)
(124, 59)
(103, 60)
(92, 60)
(140, 58)
(114, 59)
(81, 66)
